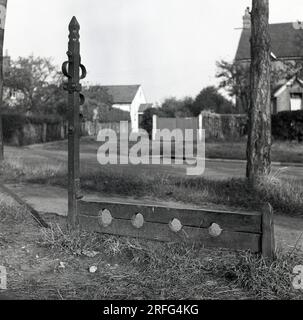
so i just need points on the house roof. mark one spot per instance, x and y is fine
(122, 94)
(286, 42)
(145, 106)
(278, 90)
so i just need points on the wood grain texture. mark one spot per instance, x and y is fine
(162, 232)
(229, 221)
(268, 237)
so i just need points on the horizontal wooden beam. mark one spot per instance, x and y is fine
(162, 232)
(231, 230)
(228, 221)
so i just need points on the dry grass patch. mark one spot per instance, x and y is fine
(153, 270)
(269, 281)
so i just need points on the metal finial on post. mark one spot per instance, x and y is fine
(74, 23)
(71, 69)
(74, 28)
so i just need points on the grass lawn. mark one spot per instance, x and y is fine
(54, 264)
(281, 151)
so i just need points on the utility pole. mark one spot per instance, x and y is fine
(259, 115)
(3, 5)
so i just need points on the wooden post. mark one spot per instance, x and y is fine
(200, 120)
(3, 5)
(155, 125)
(71, 69)
(268, 236)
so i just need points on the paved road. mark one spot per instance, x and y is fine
(214, 169)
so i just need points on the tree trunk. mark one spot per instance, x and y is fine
(259, 115)
(3, 4)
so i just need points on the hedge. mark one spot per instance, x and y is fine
(288, 125)
(14, 122)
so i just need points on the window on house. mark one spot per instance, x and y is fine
(295, 101)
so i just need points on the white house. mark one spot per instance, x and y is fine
(128, 98)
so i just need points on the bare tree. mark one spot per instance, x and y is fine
(259, 123)
(3, 5)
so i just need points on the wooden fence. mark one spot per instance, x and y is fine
(177, 123)
(231, 230)
(224, 127)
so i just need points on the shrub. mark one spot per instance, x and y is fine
(12, 123)
(288, 125)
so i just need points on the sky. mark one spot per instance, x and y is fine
(169, 46)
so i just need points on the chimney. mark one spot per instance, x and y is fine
(247, 19)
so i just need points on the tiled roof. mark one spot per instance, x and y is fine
(145, 106)
(286, 42)
(122, 94)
